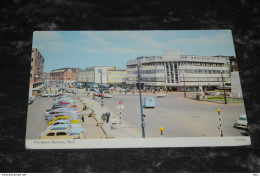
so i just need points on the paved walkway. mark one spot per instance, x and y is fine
(121, 130)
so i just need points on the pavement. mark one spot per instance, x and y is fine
(96, 128)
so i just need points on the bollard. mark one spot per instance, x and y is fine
(220, 123)
(161, 130)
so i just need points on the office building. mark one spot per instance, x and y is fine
(173, 70)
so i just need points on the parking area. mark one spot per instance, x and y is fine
(179, 116)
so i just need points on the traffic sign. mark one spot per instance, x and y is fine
(120, 106)
(92, 102)
(120, 102)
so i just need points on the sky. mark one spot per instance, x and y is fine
(82, 49)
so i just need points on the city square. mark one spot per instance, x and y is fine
(173, 94)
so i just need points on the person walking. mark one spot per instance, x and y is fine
(107, 116)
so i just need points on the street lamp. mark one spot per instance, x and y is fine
(184, 85)
(223, 87)
(220, 123)
(102, 101)
(141, 104)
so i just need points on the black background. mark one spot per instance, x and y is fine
(20, 18)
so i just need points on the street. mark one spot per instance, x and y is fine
(180, 117)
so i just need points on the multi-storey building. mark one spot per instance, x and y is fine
(36, 73)
(63, 76)
(116, 77)
(173, 70)
(93, 75)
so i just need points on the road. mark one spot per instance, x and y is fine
(178, 116)
(36, 122)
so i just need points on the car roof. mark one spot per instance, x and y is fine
(63, 121)
(243, 115)
(60, 126)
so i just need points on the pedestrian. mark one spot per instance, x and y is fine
(107, 116)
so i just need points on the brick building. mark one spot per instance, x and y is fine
(63, 76)
(36, 73)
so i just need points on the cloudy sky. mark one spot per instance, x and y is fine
(114, 48)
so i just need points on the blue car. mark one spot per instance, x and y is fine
(149, 102)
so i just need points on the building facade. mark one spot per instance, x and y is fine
(175, 71)
(92, 75)
(63, 76)
(36, 73)
(116, 77)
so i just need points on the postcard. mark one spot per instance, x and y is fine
(134, 89)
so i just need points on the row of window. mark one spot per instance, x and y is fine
(146, 72)
(201, 79)
(202, 58)
(201, 64)
(204, 71)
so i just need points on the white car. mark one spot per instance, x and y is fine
(45, 94)
(107, 96)
(242, 122)
(50, 115)
(66, 123)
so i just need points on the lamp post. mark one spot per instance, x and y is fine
(87, 88)
(141, 104)
(184, 85)
(161, 130)
(223, 87)
(220, 123)
(102, 101)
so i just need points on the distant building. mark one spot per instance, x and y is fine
(116, 77)
(110, 75)
(46, 78)
(63, 76)
(173, 69)
(36, 73)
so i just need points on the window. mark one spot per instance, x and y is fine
(30, 75)
(61, 133)
(31, 67)
(51, 134)
(32, 60)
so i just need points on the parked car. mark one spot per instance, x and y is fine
(73, 114)
(73, 133)
(63, 101)
(31, 100)
(100, 95)
(64, 118)
(107, 95)
(64, 127)
(72, 107)
(160, 94)
(75, 124)
(59, 111)
(96, 93)
(52, 95)
(242, 122)
(45, 94)
(149, 102)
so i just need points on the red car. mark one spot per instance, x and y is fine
(99, 95)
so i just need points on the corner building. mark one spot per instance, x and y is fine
(173, 70)
(36, 73)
